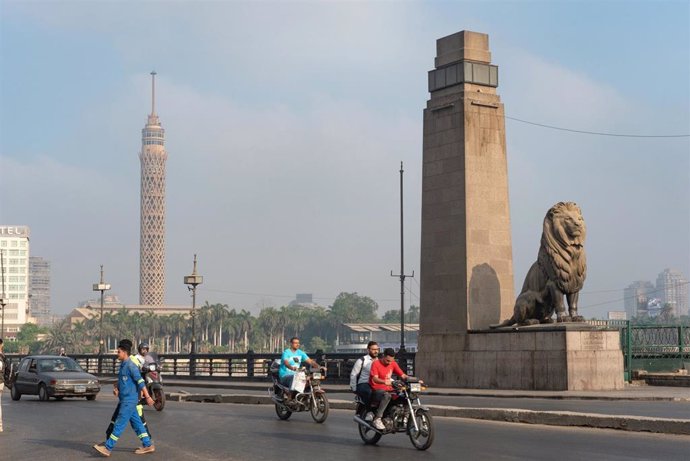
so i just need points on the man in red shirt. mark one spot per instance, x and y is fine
(380, 379)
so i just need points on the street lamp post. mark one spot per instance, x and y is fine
(3, 299)
(193, 281)
(402, 276)
(102, 287)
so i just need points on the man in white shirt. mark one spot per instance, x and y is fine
(359, 377)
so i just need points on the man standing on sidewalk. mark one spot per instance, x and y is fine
(129, 385)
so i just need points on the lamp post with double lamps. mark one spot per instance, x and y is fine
(193, 281)
(102, 287)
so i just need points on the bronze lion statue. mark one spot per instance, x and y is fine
(559, 271)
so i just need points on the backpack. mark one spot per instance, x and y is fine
(360, 370)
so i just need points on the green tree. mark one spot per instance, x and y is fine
(29, 332)
(353, 308)
(391, 316)
(316, 343)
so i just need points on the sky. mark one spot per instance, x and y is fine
(286, 123)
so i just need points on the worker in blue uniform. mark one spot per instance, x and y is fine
(129, 385)
(140, 405)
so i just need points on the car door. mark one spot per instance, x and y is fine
(20, 375)
(31, 381)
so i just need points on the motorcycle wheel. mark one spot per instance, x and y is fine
(423, 438)
(282, 412)
(158, 399)
(319, 408)
(368, 436)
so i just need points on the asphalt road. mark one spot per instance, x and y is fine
(193, 431)
(659, 409)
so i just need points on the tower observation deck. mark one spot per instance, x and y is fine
(152, 225)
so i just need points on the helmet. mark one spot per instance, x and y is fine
(143, 346)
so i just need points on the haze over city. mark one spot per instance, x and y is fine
(286, 124)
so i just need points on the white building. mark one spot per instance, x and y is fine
(14, 277)
(672, 288)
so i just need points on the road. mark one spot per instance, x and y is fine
(659, 409)
(193, 431)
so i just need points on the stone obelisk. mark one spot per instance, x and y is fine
(466, 254)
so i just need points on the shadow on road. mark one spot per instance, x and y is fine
(78, 447)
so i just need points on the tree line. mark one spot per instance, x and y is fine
(219, 328)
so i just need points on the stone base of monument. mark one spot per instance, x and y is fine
(555, 357)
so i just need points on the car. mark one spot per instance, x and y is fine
(52, 376)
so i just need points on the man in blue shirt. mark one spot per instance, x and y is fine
(291, 361)
(129, 385)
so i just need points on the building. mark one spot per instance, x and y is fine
(92, 309)
(637, 296)
(39, 290)
(303, 300)
(357, 335)
(672, 288)
(152, 225)
(14, 278)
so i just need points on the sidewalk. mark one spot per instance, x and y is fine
(639, 392)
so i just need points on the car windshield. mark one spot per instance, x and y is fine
(58, 364)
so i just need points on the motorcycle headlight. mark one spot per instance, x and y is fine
(316, 375)
(152, 367)
(415, 387)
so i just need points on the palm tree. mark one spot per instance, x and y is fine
(58, 336)
(245, 321)
(269, 319)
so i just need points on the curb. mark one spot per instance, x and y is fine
(510, 415)
(516, 395)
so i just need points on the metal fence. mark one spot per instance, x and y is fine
(652, 348)
(225, 367)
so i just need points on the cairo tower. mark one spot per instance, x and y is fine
(152, 226)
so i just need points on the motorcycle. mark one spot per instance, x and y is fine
(151, 372)
(310, 397)
(398, 417)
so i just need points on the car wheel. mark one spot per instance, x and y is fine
(91, 397)
(43, 393)
(15, 394)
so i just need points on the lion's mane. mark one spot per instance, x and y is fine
(561, 253)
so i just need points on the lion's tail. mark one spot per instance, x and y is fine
(506, 323)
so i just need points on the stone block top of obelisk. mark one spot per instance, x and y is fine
(463, 46)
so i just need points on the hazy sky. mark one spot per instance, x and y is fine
(286, 124)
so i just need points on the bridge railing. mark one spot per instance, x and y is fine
(652, 348)
(226, 367)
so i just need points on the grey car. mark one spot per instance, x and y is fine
(52, 376)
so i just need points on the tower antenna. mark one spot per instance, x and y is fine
(153, 92)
